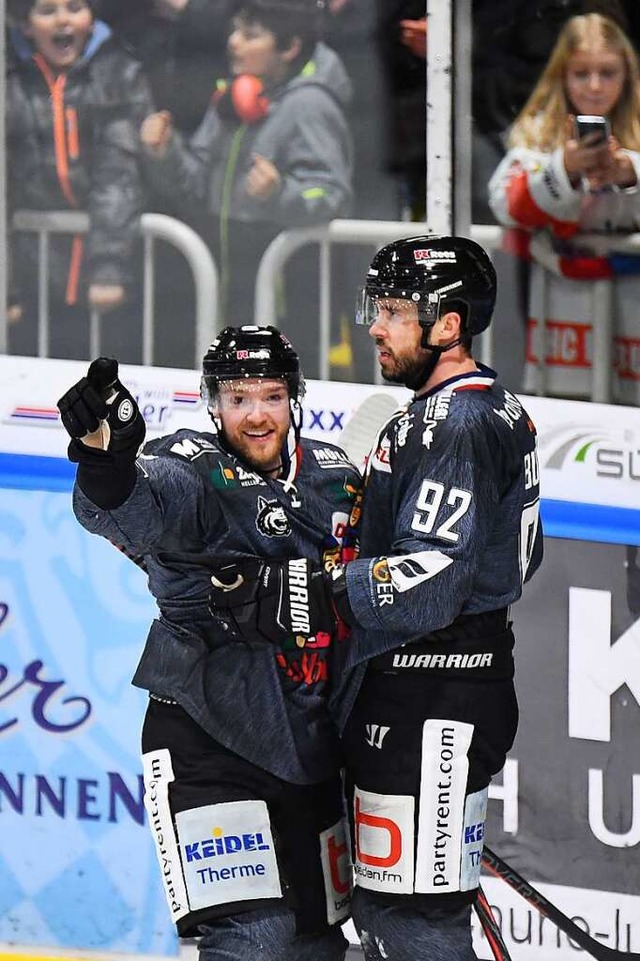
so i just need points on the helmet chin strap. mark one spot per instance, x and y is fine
(293, 435)
(420, 378)
(215, 419)
(222, 439)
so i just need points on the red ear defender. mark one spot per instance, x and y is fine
(249, 101)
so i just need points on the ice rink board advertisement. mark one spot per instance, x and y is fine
(589, 453)
(77, 865)
(566, 810)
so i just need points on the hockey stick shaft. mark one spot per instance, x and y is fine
(361, 430)
(490, 927)
(596, 949)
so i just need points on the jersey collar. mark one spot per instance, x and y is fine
(481, 379)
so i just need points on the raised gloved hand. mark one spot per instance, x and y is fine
(107, 430)
(100, 413)
(276, 601)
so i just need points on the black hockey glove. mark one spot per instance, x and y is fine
(100, 405)
(274, 601)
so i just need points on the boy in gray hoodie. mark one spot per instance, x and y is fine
(272, 152)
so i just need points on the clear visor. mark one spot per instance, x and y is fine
(390, 308)
(246, 396)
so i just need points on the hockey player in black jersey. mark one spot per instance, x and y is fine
(241, 761)
(449, 532)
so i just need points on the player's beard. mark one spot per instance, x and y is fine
(407, 370)
(265, 457)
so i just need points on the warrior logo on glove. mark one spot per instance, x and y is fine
(282, 602)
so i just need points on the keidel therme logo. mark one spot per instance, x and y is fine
(220, 843)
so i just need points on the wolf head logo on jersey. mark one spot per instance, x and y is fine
(272, 520)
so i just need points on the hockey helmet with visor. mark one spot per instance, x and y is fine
(435, 274)
(247, 354)
(242, 353)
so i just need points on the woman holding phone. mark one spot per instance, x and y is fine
(563, 176)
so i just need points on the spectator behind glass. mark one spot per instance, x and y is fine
(273, 150)
(182, 46)
(557, 185)
(512, 42)
(74, 105)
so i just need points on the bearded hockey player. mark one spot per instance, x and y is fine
(240, 758)
(449, 533)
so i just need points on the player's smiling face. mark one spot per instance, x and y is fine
(59, 30)
(255, 417)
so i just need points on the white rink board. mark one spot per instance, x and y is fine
(169, 399)
(589, 453)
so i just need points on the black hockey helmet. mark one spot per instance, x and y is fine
(251, 351)
(453, 273)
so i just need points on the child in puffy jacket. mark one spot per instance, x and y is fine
(75, 100)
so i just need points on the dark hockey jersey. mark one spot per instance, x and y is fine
(194, 503)
(450, 521)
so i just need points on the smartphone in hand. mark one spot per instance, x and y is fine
(587, 124)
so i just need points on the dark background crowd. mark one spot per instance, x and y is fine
(133, 108)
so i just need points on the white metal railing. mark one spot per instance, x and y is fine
(153, 227)
(363, 232)
(378, 232)
(371, 233)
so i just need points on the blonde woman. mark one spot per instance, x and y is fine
(552, 179)
(593, 69)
